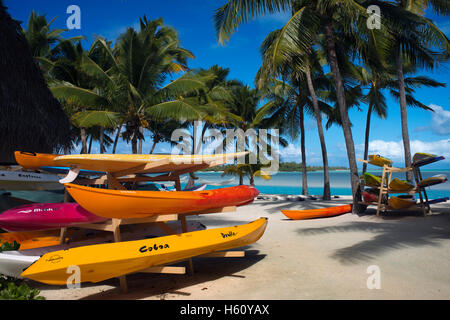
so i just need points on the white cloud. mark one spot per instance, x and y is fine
(293, 153)
(440, 122)
(394, 149)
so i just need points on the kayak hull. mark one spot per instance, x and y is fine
(117, 162)
(398, 203)
(34, 161)
(379, 161)
(42, 216)
(13, 263)
(49, 238)
(400, 185)
(317, 213)
(372, 180)
(370, 197)
(123, 204)
(421, 159)
(19, 180)
(101, 262)
(433, 181)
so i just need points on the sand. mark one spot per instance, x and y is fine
(315, 259)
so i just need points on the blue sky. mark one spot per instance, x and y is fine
(429, 132)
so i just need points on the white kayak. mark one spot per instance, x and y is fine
(20, 180)
(13, 263)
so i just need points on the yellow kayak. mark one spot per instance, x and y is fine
(400, 185)
(106, 261)
(118, 162)
(379, 161)
(399, 203)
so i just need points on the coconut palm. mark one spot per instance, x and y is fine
(380, 81)
(95, 95)
(161, 131)
(310, 18)
(213, 100)
(144, 59)
(414, 40)
(282, 57)
(249, 115)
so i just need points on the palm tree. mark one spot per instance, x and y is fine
(414, 40)
(212, 100)
(379, 81)
(282, 57)
(161, 131)
(249, 115)
(311, 17)
(146, 57)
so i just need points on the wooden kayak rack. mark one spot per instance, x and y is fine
(115, 181)
(386, 179)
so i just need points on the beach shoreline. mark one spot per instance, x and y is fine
(311, 259)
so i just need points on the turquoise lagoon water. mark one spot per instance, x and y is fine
(289, 183)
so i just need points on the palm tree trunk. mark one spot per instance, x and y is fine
(83, 140)
(198, 149)
(350, 145)
(318, 116)
(134, 143)
(90, 144)
(366, 140)
(141, 135)
(116, 140)
(102, 136)
(403, 113)
(303, 149)
(155, 142)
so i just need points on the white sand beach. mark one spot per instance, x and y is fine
(313, 259)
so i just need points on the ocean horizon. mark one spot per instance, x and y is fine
(289, 183)
(282, 183)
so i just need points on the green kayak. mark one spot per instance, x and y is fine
(372, 180)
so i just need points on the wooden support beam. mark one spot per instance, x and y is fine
(165, 228)
(111, 226)
(216, 210)
(62, 236)
(113, 183)
(224, 254)
(142, 168)
(164, 269)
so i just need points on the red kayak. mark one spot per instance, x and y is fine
(45, 216)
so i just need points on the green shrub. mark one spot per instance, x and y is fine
(15, 289)
(21, 292)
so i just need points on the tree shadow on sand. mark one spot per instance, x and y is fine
(386, 234)
(161, 286)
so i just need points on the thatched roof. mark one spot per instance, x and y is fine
(31, 119)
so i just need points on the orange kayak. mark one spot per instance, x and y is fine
(32, 239)
(317, 213)
(122, 204)
(34, 161)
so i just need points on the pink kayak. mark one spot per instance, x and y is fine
(43, 216)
